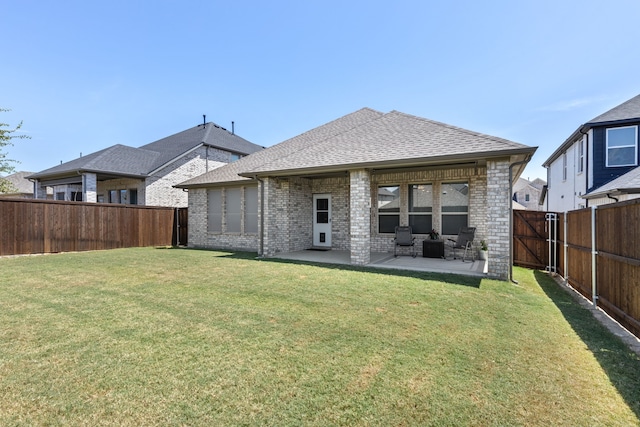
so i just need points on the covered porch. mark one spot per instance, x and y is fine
(385, 260)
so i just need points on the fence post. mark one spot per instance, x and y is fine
(566, 250)
(594, 252)
(552, 219)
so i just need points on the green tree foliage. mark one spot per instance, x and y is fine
(6, 164)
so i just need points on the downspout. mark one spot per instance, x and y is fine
(522, 162)
(594, 253)
(586, 165)
(261, 252)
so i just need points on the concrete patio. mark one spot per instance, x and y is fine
(477, 268)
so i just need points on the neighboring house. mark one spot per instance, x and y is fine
(345, 185)
(597, 153)
(623, 188)
(144, 175)
(527, 194)
(22, 188)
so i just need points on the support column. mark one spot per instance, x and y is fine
(90, 187)
(360, 216)
(268, 218)
(498, 211)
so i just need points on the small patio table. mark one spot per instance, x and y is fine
(433, 248)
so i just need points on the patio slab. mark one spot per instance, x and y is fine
(477, 268)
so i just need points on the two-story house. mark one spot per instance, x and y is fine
(144, 175)
(599, 152)
(527, 193)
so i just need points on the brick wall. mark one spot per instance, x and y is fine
(498, 201)
(199, 235)
(476, 177)
(360, 227)
(288, 212)
(159, 187)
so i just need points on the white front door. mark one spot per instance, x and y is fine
(322, 220)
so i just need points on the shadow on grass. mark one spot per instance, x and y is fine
(450, 278)
(621, 365)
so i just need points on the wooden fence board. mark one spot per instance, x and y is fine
(617, 231)
(44, 226)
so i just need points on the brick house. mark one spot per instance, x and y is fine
(144, 175)
(346, 185)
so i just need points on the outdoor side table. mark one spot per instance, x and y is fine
(433, 248)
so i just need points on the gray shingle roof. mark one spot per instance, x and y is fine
(118, 159)
(625, 111)
(20, 182)
(125, 160)
(396, 138)
(627, 183)
(365, 138)
(229, 173)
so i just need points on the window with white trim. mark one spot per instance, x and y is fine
(421, 208)
(388, 208)
(622, 146)
(580, 156)
(454, 206)
(564, 166)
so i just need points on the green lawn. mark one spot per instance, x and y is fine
(186, 337)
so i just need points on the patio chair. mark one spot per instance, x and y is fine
(463, 241)
(404, 237)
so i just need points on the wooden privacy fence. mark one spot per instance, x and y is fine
(607, 266)
(44, 226)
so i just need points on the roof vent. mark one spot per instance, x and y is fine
(204, 120)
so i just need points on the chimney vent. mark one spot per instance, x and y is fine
(233, 128)
(204, 119)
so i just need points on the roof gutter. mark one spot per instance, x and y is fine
(453, 159)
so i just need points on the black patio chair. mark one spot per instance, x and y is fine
(463, 241)
(404, 237)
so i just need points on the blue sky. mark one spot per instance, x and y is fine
(84, 75)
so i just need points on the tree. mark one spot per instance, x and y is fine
(6, 164)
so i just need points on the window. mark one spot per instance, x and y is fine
(455, 207)
(133, 197)
(214, 211)
(388, 209)
(564, 167)
(114, 196)
(580, 156)
(60, 195)
(251, 210)
(76, 196)
(234, 157)
(420, 208)
(526, 197)
(233, 210)
(622, 146)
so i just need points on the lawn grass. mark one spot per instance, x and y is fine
(187, 337)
